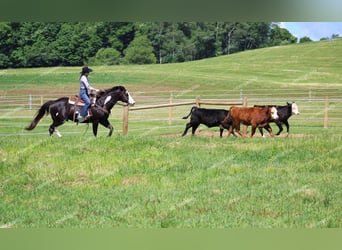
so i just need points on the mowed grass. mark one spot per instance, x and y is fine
(156, 182)
(153, 178)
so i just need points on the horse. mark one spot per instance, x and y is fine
(62, 110)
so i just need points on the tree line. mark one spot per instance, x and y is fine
(44, 44)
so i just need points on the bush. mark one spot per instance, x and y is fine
(106, 56)
(140, 51)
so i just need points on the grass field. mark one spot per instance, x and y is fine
(153, 178)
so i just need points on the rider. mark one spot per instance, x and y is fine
(84, 87)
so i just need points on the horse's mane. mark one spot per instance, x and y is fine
(107, 91)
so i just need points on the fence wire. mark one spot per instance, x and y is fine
(17, 111)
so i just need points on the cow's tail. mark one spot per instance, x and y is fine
(44, 109)
(192, 110)
(227, 121)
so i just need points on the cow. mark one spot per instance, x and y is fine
(208, 117)
(284, 113)
(254, 116)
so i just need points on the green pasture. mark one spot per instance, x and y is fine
(153, 178)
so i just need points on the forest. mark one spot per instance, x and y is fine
(45, 44)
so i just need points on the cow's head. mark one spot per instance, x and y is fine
(294, 108)
(274, 113)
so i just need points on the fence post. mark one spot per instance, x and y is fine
(170, 109)
(125, 120)
(30, 102)
(198, 101)
(310, 95)
(244, 104)
(326, 111)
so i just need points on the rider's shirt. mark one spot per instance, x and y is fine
(84, 84)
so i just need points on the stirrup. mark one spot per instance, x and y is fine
(81, 119)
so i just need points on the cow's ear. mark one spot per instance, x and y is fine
(288, 103)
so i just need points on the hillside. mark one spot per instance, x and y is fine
(315, 64)
(311, 64)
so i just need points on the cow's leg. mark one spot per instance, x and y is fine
(280, 127)
(261, 132)
(237, 129)
(187, 126)
(253, 130)
(194, 127)
(269, 129)
(287, 127)
(221, 131)
(230, 130)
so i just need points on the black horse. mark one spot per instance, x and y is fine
(62, 110)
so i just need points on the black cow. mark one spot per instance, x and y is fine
(208, 117)
(284, 113)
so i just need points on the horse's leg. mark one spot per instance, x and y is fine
(58, 133)
(53, 128)
(111, 129)
(106, 124)
(95, 126)
(58, 118)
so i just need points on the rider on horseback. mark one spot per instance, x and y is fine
(84, 87)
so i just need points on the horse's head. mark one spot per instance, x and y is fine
(121, 95)
(130, 98)
(126, 97)
(109, 97)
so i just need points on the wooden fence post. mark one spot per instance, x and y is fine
(245, 102)
(170, 109)
(125, 120)
(326, 112)
(198, 101)
(30, 102)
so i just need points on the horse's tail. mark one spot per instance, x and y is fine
(44, 109)
(192, 110)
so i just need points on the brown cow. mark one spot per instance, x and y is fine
(254, 116)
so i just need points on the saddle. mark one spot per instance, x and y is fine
(76, 100)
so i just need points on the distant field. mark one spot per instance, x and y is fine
(153, 178)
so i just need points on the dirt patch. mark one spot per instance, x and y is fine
(216, 134)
